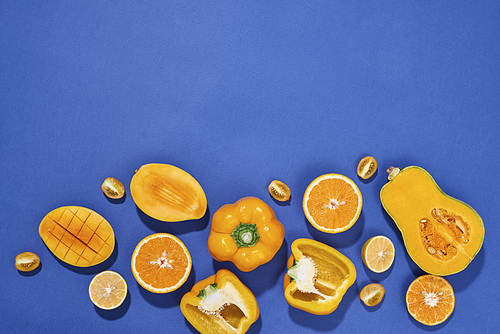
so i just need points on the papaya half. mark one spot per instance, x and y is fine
(167, 193)
(442, 234)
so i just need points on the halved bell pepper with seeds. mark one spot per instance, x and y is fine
(318, 277)
(220, 303)
(246, 233)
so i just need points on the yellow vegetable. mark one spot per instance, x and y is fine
(441, 234)
(318, 277)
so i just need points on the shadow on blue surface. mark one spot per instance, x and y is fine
(281, 203)
(117, 313)
(461, 280)
(256, 327)
(175, 228)
(342, 239)
(370, 179)
(190, 327)
(391, 224)
(325, 323)
(115, 201)
(31, 273)
(378, 277)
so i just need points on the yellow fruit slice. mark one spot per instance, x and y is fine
(279, 191)
(332, 203)
(430, 299)
(161, 263)
(378, 253)
(367, 167)
(113, 188)
(372, 294)
(27, 261)
(108, 290)
(168, 193)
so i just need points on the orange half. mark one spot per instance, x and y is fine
(161, 263)
(332, 203)
(430, 299)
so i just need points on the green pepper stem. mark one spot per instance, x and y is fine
(203, 294)
(291, 271)
(245, 235)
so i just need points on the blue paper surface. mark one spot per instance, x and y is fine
(238, 94)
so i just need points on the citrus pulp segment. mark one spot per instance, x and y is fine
(430, 299)
(108, 290)
(378, 253)
(161, 263)
(332, 203)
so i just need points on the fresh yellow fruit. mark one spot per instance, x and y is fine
(378, 253)
(367, 167)
(77, 235)
(430, 299)
(332, 203)
(168, 193)
(113, 188)
(161, 263)
(108, 290)
(441, 234)
(372, 294)
(27, 261)
(279, 191)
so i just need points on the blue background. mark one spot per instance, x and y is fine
(239, 93)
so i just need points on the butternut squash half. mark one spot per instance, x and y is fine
(167, 193)
(441, 234)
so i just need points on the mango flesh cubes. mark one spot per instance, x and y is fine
(77, 235)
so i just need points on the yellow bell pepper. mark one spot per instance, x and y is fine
(246, 233)
(220, 303)
(318, 277)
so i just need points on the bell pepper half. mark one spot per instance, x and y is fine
(246, 233)
(318, 277)
(220, 303)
